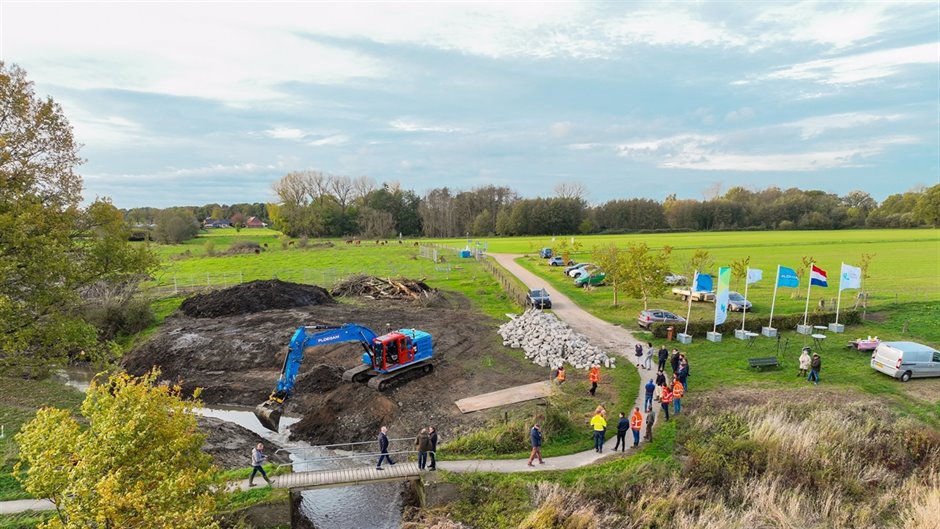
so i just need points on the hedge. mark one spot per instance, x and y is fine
(754, 324)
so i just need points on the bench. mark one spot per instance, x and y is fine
(769, 361)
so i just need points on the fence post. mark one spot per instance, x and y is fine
(208, 280)
(176, 288)
(241, 278)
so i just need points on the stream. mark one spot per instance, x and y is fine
(376, 506)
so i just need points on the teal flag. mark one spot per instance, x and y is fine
(787, 278)
(721, 297)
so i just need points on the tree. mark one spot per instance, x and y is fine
(483, 224)
(700, 260)
(175, 225)
(644, 272)
(138, 464)
(570, 190)
(739, 270)
(927, 209)
(238, 221)
(565, 247)
(610, 259)
(375, 224)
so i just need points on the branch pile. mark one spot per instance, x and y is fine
(372, 287)
(550, 342)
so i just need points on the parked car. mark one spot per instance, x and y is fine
(736, 302)
(648, 317)
(559, 261)
(588, 268)
(685, 292)
(545, 253)
(539, 299)
(906, 360)
(575, 267)
(675, 279)
(593, 279)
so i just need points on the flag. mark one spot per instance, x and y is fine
(754, 275)
(851, 277)
(721, 298)
(786, 277)
(818, 277)
(703, 283)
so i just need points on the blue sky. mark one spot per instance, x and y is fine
(192, 103)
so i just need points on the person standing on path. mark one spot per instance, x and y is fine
(383, 448)
(636, 424)
(599, 424)
(638, 351)
(677, 392)
(683, 373)
(432, 434)
(663, 357)
(674, 361)
(622, 426)
(648, 359)
(815, 366)
(594, 375)
(257, 460)
(804, 362)
(666, 399)
(535, 439)
(423, 444)
(648, 400)
(660, 378)
(650, 420)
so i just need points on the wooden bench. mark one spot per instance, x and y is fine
(768, 361)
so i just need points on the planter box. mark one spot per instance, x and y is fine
(740, 334)
(713, 336)
(769, 332)
(684, 338)
(836, 327)
(804, 329)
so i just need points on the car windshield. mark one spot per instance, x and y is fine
(735, 296)
(538, 293)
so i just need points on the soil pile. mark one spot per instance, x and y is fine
(372, 287)
(320, 379)
(230, 445)
(255, 296)
(331, 417)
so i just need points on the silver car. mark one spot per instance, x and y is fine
(906, 360)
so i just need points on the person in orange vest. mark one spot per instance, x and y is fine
(560, 375)
(666, 399)
(677, 392)
(636, 423)
(594, 375)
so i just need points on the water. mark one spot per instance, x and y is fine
(377, 506)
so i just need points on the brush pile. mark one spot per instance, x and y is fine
(371, 287)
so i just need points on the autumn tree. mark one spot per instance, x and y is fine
(610, 259)
(137, 464)
(644, 270)
(700, 260)
(739, 270)
(565, 247)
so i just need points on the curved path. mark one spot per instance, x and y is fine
(613, 339)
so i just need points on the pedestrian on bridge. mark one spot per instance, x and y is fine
(535, 439)
(383, 448)
(423, 444)
(257, 460)
(432, 433)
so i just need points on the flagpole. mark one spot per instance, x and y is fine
(691, 291)
(808, 288)
(839, 295)
(770, 324)
(746, 284)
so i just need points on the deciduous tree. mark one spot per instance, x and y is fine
(643, 271)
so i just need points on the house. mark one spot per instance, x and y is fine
(215, 223)
(254, 222)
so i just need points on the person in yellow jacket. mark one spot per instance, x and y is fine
(599, 425)
(678, 390)
(636, 423)
(594, 375)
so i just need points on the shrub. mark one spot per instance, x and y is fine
(115, 318)
(303, 242)
(244, 247)
(210, 248)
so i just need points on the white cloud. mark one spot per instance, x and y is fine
(741, 114)
(560, 129)
(852, 69)
(335, 139)
(837, 25)
(407, 125)
(285, 133)
(817, 125)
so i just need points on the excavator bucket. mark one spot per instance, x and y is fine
(269, 414)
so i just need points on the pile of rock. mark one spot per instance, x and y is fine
(550, 342)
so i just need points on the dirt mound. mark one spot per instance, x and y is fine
(350, 408)
(230, 444)
(255, 296)
(372, 287)
(320, 379)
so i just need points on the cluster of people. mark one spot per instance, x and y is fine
(811, 364)
(425, 445)
(665, 390)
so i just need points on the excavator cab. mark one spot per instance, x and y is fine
(395, 348)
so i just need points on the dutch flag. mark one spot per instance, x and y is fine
(817, 276)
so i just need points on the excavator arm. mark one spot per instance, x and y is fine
(269, 413)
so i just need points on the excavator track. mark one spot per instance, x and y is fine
(400, 376)
(360, 373)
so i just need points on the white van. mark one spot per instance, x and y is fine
(904, 360)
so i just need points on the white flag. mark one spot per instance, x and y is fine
(851, 277)
(754, 275)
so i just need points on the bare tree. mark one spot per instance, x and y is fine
(292, 189)
(343, 188)
(362, 186)
(375, 223)
(575, 190)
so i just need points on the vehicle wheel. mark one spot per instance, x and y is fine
(685, 298)
(906, 376)
(383, 385)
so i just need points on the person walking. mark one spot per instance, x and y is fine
(683, 373)
(677, 392)
(423, 444)
(650, 420)
(622, 426)
(636, 424)
(560, 375)
(594, 375)
(638, 351)
(598, 424)
(648, 400)
(674, 361)
(666, 399)
(432, 435)
(383, 448)
(257, 460)
(648, 359)
(535, 440)
(804, 362)
(815, 366)
(663, 357)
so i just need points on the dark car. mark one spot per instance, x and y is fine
(648, 317)
(538, 299)
(736, 302)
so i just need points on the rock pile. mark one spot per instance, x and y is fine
(550, 342)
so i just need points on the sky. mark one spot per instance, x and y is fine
(193, 103)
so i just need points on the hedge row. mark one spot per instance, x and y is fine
(754, 324)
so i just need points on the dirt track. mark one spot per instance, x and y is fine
(236, 359)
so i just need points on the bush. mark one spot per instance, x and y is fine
(700, 327)
(303, 241)
(114, 318)
(210, 248)
(244, 247)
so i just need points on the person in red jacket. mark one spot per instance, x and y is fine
(636, 423)
(594, 375)
(666, 399)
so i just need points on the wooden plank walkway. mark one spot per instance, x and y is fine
(503, 397)
(343, 477)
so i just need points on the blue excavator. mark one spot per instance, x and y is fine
(387, 360)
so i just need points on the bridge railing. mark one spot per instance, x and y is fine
(302, 453)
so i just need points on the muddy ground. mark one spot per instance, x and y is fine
(230, 445)
(237, 358)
